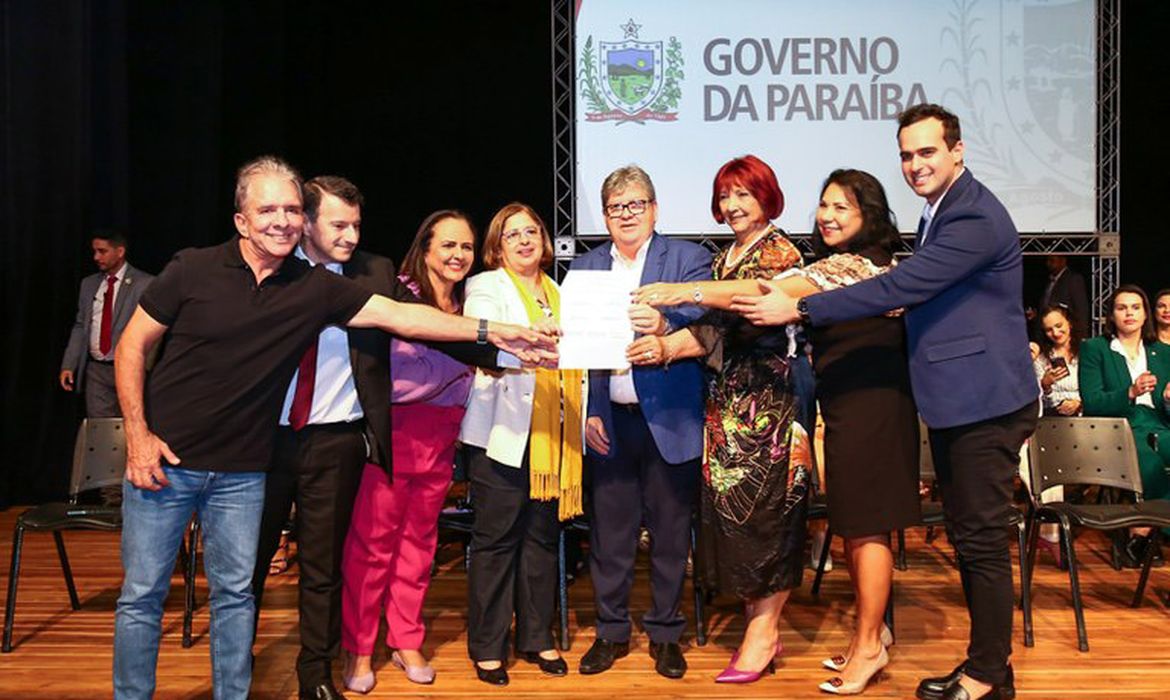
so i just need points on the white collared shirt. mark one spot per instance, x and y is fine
(1137, 366)
(621, 383)
(335, 398)
(99, 304)
(930, 210)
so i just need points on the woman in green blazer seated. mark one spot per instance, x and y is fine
(1124, 374)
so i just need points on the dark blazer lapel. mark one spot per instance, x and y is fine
(1156, 359)
(1119, 368)
(952, 195)
(606, 257)
(655, 259)
(128, 281)
(349, 271)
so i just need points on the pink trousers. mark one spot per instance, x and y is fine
(386, 564)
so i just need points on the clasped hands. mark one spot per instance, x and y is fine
(1144, 384)
(534, 347)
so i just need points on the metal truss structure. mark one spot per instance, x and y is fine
(1102, 247)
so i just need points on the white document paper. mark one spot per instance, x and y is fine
(594, 320)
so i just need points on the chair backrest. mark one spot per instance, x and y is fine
(925, 458)
(99, 455)
(1091, 451)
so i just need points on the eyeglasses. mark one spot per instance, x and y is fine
(636, 207)
(516, 234)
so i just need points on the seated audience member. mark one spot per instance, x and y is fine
(1162, 315)
(1056, 366)
(1124, 374)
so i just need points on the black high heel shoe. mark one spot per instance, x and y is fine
(492, 676)
(551, 667)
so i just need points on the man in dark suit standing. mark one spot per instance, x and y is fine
(1065, 288)
(336, 415)
(104, 306)
(644, 429)
(970, 369)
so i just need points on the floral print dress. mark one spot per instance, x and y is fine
(757, 458)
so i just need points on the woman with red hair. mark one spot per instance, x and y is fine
(757, 464)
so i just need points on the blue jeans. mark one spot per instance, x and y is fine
(153, 522)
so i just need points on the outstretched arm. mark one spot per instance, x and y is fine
(425, 322)
(144, 449)
(774, 301)
(715, 294)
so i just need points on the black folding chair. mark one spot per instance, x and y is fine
(99, 459)
(1099, 452)
(456, 521)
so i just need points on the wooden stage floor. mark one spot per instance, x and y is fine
(61, 654)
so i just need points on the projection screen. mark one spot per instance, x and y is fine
(680, 87)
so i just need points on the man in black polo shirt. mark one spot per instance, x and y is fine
(238, 317)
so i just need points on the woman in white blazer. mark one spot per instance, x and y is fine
(523, 464)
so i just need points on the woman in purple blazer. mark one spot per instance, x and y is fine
(394, 532)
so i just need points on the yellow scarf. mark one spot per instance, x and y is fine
(554, 444)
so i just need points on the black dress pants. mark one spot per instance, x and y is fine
(633, 484)
(513, 567)
(976, 466)
(319, 468)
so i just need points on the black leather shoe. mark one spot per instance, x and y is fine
(669, 659)
(321, 691)
(552, 667)
(495, 676)
(958, 692)
(936, 688)
(601, 656)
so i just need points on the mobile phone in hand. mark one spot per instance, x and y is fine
(1059, 363)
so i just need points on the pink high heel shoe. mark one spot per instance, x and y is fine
(731, 674)
(779, 651)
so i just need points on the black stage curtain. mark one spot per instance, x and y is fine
(65, 168)
(135, 114)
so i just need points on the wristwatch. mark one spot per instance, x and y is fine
(802, 309)
(697, 294)
(481, 334)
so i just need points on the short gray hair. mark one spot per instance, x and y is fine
(264, 165)
(622, 178)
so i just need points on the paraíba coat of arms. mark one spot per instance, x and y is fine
(631, 80)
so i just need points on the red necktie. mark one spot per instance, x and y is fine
(106, 341)
(302, 403)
